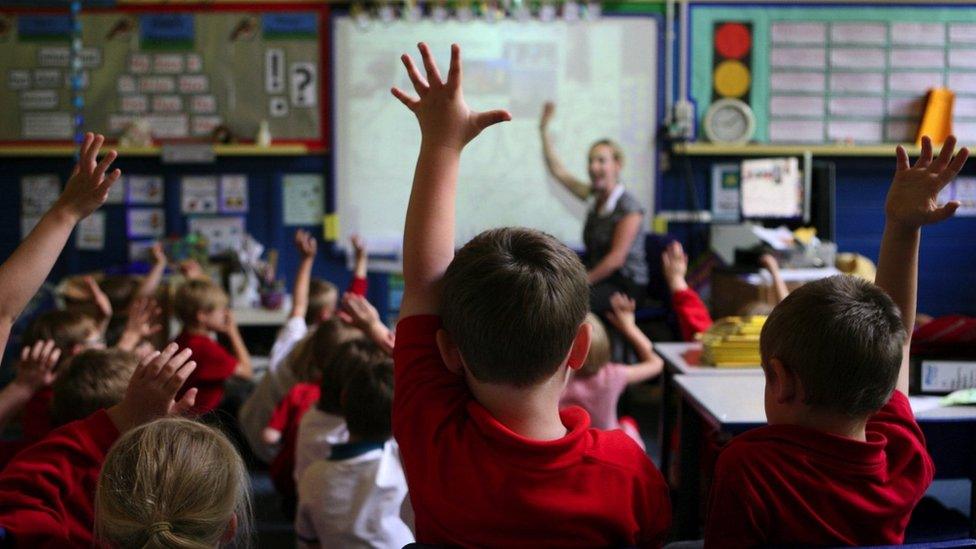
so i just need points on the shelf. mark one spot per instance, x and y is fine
(712, 149)
(58, 150)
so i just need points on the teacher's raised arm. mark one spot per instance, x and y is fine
(576, 186)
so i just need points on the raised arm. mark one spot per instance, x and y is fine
(693, 316)
(151, 283)
(446, 126)
(245, 369)
(307, 246)
(576, 186)
(622, 317)
(913, 202)
(768, 262)
(624, 234)
(359, 283)
(27, 268)
(35, 370)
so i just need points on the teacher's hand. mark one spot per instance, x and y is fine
(548, 110)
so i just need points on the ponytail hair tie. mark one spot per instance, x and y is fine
(160, 527)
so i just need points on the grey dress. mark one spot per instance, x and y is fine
(598, 238)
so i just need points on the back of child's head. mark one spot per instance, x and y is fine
(173, 483)
(512, 300)
(119, 289)
(756, 308)
(367, 401)
(312, 354)
(92, 380)
(599, 354)
(349, 358)
(68, 329)
(198, 295)
(323, 296)
(842, 337)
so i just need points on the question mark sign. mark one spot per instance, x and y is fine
(305, 78)
(303, 84)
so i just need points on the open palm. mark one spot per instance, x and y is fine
(913, 197)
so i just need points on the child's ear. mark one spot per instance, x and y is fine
(581, 346)
(231, 531)
(782, 382)
(449, 352)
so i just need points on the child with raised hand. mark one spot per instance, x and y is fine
(693, 316)
(27, 268)
(486, 342)
(843, 461)
(47, 491)
(354, 496)
(597, 386)
(314, 302)
(173, 483)
(36, 370)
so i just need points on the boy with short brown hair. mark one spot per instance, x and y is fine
(843, 461)
(486, 342)
(202, 307)
(92, 380)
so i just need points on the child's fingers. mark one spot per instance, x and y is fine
(143, 368)
(157, 365)
(948, 148)
(53, 359)
(110, 180)
(186, 403)
(178, 360)
(93, 150)
(104, 164)
(419, 84)
(454, 74)
(489, 118)
(956, 165)
(945, 212)
(433, 74)
(901, 159)
(47, 350)
(25, 354)
(408, 101)
(83, 151)
(179, 376)
(925, 158)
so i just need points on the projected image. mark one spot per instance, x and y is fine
(602, 76)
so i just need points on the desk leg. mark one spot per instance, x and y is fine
(972, 507)
(687, 524)
(665, 424)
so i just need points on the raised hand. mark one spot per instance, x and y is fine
(158, 254)
(358, 245)
(445, 119)
(357, 311)
(674, 266)
(548, 111)
(88, 185)
(913, 196)
(621, 313)
(306, 244)
(37, 366)
(143, 317)
(98, 297)
(152, 390)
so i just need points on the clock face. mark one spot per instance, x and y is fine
(729, 121)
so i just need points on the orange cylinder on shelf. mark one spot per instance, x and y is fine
(937, 117)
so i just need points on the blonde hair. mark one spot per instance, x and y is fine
(65, 328)
(92, 380)
(198, 295)
(615, 148)
(172, 483)
(599, 354)
(322, 296)
(311, 355)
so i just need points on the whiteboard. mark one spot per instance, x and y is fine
(601, 74)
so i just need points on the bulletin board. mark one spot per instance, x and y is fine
(183, 69)
(830, 73)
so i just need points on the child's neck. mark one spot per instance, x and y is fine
(833, 424)
(197, 329)
(532, 412)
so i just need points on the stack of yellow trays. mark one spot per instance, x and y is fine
(733, 342)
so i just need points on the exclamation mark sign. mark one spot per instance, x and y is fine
(274, 74)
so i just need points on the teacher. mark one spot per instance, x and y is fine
(614, 231)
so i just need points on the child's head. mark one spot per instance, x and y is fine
(71, 331)
(173, 483)
(599, 354)
(311, 356)
(90, 381)
(367, 401)
(200, 303)
(323, 296)
(833, 347)
(351, 357)
(513, 303)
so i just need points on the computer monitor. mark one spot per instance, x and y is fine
(774, 194)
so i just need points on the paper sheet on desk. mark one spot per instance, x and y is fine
(779, 238)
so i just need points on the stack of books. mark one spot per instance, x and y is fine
(733, 342)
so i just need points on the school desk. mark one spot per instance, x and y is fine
(683, 359)
(732, 405)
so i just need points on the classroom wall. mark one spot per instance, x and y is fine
(263, 221)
